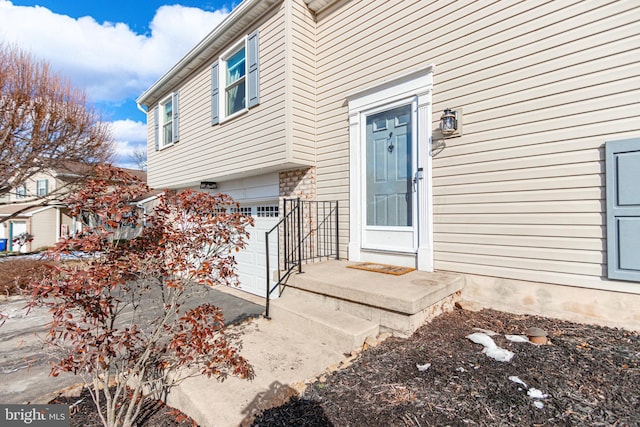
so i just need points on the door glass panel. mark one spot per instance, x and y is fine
(389, 168)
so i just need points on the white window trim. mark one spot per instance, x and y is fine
(46, 187)
(222, 86)
(21, 194)
(161, 123)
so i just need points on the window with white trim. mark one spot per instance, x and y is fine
(166, 121)
(244, 210)
(271, 211)
(235, 80)
(21, 191)
(42, 187)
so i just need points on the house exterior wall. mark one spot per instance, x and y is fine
(267, 138)
(520, 195)
(31, 187)
(43, 228)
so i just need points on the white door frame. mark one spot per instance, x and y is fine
(415, 87)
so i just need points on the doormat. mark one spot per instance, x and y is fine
(382, 268)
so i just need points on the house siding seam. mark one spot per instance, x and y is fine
(520, 195)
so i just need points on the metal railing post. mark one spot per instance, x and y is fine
(299, 238)
(337, 234)
(266, 239)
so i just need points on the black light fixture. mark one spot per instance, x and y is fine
(208, 185)
(448, 122)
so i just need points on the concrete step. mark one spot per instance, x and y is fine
(334, 328)
(399, 304)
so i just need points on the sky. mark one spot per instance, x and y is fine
(114, 49)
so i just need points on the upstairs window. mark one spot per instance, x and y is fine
(166, 113)
(166, 119)
(42, 187)
(21, 191)
(235, 80)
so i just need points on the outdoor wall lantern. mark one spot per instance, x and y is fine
(448, 122)
(208, 185)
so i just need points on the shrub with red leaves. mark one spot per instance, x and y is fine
(120, 313)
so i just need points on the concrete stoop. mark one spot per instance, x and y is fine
(330, 296)
(332, 327)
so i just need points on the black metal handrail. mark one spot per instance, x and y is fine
(307, 232)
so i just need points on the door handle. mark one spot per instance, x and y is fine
(419, 175)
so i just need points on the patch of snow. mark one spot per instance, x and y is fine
(534, 393)
(518, 380)
(482, 339)
(517, 338)
(424, 367)
(460, 369)
(538, 404)
(490, 347)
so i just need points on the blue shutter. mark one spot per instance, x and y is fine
(156, 127)
(623, 209)
(215, 93)
(253, 78)
(174, 102)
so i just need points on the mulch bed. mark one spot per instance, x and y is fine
(154, 413)
(590, 374)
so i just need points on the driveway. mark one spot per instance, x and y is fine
(25, 364)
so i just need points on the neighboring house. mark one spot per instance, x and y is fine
(342, 100)
(37, 207)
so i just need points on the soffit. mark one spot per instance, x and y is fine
(235, 24)
(318, 5)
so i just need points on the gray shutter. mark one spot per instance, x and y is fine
(215, 115)
(623, 209)
(253, 82)
(156, 127)
(176, 124)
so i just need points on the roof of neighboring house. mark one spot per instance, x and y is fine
(227, 31)
(6, 210)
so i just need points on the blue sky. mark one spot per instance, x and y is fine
(113, 49)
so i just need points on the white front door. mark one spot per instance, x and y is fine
(389, 189)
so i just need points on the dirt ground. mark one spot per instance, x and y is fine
(585, 375)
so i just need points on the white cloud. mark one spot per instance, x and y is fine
(129, 135)
(109, 60)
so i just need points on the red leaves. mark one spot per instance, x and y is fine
(120, 309)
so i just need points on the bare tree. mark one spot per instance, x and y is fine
(139, 157)
(46, 124)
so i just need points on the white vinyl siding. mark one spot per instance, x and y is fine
(543, 85)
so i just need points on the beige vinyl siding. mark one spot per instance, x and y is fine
(248, 144)
(542, 86)
(43, 228)
(303, 100)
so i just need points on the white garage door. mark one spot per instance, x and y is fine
(252, 260)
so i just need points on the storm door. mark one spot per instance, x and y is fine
(389, 196)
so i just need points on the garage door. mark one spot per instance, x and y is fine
(252, 259)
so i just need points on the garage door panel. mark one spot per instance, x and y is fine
(251, 260)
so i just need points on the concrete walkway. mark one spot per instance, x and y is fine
(25, 363)
(279, 355)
